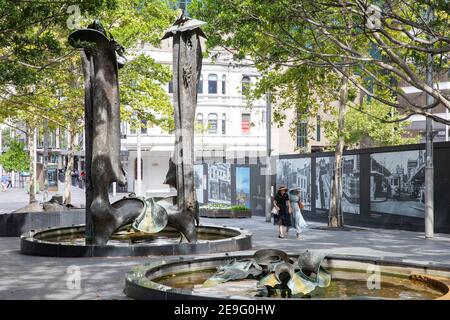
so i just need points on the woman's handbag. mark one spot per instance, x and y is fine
(275, 210)
(301, 205)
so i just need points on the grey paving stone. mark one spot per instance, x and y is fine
(28, 277)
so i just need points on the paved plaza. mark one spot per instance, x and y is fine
(17, 198)
(28, 277)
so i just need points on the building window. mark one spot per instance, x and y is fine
(224, 84)
(212, 84)
(80, 139)
(245, 84)
(144, 126)
(245, 123)
(136, 168)
(199, 127)
(200, 85)
(171, 86)
(123, 129)
(52, 139)
(224, 121)
(183, 4)
(63, 139)
(318, 129)
(302, 133)
(212, 123)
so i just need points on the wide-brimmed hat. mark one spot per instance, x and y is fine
(282, 188)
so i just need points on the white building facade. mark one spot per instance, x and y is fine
(226, 126)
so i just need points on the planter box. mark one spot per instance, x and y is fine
(224, 213)
(15, 224)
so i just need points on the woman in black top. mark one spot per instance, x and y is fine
(282, 219)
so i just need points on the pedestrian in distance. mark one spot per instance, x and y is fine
(9, 181)
(4, 182)
(283, 210)
(297, 206)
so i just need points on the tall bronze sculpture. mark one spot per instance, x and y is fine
(187, 64)
(102, 132)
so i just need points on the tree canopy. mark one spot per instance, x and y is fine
(365, 123)
(15, 158)
(378, 46)
(40, 74)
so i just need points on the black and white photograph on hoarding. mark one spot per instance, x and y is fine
(219, 183)
(397, 182)
(350, 177)
(198, 182)
(324, 174)
(296, 173)
(350, 190)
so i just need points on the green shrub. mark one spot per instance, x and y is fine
(220, 206)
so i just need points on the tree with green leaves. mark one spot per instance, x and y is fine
(15, 159)
(365, 126)
(30, 35)
(268, 34)
(375, 48)
(42, 76)
(35, 48)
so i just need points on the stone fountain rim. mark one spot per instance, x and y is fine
(29, 245)
(138, 286)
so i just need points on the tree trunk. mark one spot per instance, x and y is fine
(45, 162)
(69, 168)
(335, 218)
(31, 150)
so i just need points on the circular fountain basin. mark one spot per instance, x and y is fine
(352, 278)
(70, 242)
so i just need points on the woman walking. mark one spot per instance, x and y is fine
(296, 204)
(282, 219)
(4, 182)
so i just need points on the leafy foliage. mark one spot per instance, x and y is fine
(15, 158)
(31, 33)
(40, 74)
(300, 46)
(368, 122)
(142, 89)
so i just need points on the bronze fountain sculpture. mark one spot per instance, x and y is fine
(187, 63)
(102, 133)
(276, 272)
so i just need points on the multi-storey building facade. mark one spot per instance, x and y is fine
(299, 136)
(308, 135)
(417, 127)
(226, 126)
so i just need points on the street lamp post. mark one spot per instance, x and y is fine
(1, 149)
(34, 161)
(45, 162)
(429, 170)
(138, 163)
(446, 126)
(268, 176)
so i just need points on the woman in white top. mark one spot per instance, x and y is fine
(299, 223)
